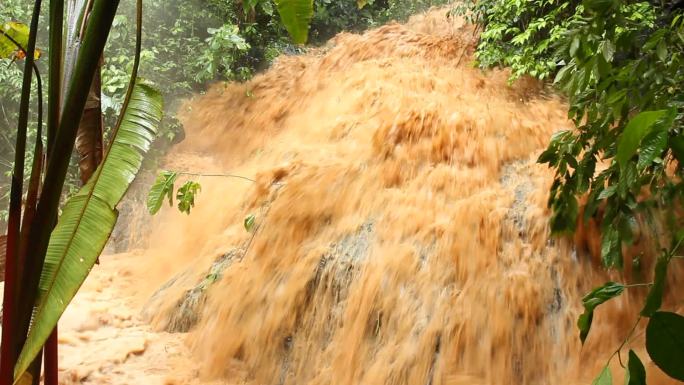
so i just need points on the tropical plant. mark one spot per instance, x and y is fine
(45, 268)
(163, 189)
(619, 65)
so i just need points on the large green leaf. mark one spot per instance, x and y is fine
(89, 217)
(665, 343)
(296, 16)
(635, 131)
(13, 32)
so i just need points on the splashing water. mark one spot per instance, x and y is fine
(401, 224)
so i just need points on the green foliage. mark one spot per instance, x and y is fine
(598, 296)
(89, 217)
(224, 45)
(636, 373)
(13, 33)
(163, 189)
(638, 128)
(619, 63)
(296, 15)
(250, 221)
(665, 343)
(655, 296)
(522, 34)
(604, 378)
(186, 196)
(10, 92)
(611, 104)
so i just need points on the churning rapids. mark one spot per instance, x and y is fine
(401, 234)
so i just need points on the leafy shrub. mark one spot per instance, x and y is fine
(619, 63)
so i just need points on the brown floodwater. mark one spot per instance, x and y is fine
(401, 230)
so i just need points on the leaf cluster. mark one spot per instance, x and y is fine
(619, 64)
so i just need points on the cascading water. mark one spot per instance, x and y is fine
(401, 224)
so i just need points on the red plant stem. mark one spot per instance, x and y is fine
(9, 304)
(12, 295)
(51, 359)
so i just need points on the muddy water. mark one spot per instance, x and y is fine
(401, 225)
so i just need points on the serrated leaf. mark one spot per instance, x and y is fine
(88, 219)
(635, 131)
(652, 147)
(604, 378)
(161, 189)
(636, 373)
(665, 343)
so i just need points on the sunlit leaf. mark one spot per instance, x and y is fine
(608, 50)
(161, 189)
(652, 147)
(186, 196)
(635, 131)
(11, 34)
(296, 16)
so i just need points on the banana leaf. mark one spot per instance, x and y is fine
(296, 16)
(88, 219)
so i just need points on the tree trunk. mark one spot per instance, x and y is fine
(89, 140)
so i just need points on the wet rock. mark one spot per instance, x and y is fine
(185, 314)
